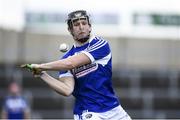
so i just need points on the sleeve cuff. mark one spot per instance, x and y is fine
(89, 55)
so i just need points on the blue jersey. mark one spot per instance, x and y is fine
(15, 106)
(93, 87)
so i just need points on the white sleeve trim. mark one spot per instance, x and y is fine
(105, 60)
(68, 74)
(89, 55)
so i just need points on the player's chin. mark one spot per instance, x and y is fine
(81, 36)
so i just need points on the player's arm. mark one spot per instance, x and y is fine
(63, 86)
(65, 64)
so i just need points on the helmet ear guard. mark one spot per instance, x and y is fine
(77, 15)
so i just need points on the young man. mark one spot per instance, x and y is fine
(85, 72)
(15, 107)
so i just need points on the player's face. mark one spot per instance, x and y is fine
(81, 29)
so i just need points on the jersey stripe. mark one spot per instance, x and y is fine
(103, 44)
(97, 43)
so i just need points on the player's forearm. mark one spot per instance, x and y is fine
(66, 64)
(58, 65)
(62, 88)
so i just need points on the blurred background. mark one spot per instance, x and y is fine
(145, 40)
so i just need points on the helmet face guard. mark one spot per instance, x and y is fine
(77, 15)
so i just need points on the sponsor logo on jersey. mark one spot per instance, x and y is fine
(84, 70)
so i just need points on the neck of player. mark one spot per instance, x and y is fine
(82, 41)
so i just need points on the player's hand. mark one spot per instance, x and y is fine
(34, 68)
(39, 74)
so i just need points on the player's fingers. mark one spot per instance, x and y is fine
(27, 66)
(37, 73)
(34, 74)
(33, 68)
